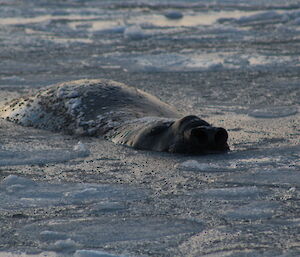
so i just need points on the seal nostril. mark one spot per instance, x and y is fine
(221, 136)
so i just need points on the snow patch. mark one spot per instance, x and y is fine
(93, 253)
(114, 29)
(233, 193)
(273, 112)
(52, 236)
(93, 231)
(267, 177)
(195, 165)
(170, 62)
(105, 206)
(19, 193)
(135, 33)
(85, 193)
(12, 78)
(65, 246)
(82, 149)
(264, 16)
(11, 158)
(23, 254)
(254, 211)
(187, 61)
(13, 180)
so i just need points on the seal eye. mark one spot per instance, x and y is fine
(221, 136)
(200, 134)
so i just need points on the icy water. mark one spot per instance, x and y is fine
(234, 63)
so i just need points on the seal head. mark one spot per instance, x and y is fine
(199, 137)
(188, 135)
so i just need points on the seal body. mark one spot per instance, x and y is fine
(118, 112)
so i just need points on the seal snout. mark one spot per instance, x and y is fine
(221, 136)
(204, 138)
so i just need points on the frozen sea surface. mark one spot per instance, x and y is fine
(234, 63)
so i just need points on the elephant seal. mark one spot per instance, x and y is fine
(118, 112)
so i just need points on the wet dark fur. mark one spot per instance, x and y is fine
(179, 136)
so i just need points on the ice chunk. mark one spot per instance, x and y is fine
(251, 192)
(67, 245)
(86, 193)
(254, 211)
(30, 157)
(82, 149)
(19, 193)
(53, 236)
(171, 62)
(264, 16)
(9, 158)
(134, 32)
(195, 165)
(116, 29)
(269, 177)
(273, 112)
(16, 180)
(93, 253)
(106, 206)
(95, 231)
(23, 254)
(296, 22)
(13, 78)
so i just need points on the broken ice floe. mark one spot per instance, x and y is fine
(63, 246)
(53, 235)
(273, 112)
(186, 61)
(261, 17)
(13, 180)
(98, 230)
(195, 165)
(63, 253)
(32, 157)
(81, 148)
(18, 193)
(233, 193)
(271, 176)
(68, 235)
(254, 211)
(135, 33)
(94, 253)
(267, 17)
(167, 62)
